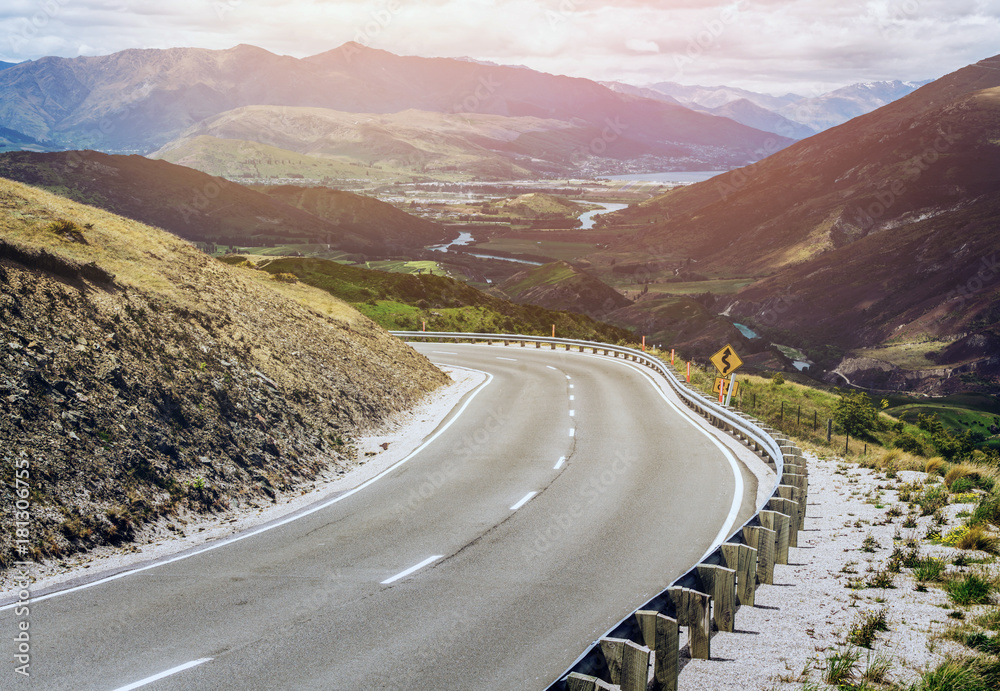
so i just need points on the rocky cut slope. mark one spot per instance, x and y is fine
(140, 378)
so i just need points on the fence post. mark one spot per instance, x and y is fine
(694, 612)
(660, 635)
(628, 663)
(742, 559)
(762, 540)
(582, 682)
(779, 523)
(720, 583)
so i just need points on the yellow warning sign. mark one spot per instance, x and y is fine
(721, 386)
(726, 361)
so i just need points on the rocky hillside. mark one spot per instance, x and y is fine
(873, 234)
(204, 208)
(140, 377)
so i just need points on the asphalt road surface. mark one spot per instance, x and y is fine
(558, 497)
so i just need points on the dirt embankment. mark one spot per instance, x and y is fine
(180, 383)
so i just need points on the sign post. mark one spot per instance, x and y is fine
(732, 388)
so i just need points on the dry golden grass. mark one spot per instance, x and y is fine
(934, 466)
(139, 255)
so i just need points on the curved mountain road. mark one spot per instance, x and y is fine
(567, 493)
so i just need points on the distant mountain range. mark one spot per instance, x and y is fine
(140, 100)
(5, 65)
(879, 232)
(790, 115)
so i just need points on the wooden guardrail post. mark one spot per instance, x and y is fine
(779, 523)
(694, 612)
(794, 494)
(791, 509)
(743, 560)
(553, 346)
(628, 663)
(720, 583)
(583, 682)
(762, 539)
(660, 635)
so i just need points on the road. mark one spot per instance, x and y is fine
(507, 587)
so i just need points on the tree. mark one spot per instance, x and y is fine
(856, 414)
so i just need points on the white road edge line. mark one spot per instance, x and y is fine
(163, 675)
(442, 352)
(527, 497)
(560, 464)
(508, 359)
(572, 431)
(278, 524)
(550, 366)
(734, 509)
(413, 569)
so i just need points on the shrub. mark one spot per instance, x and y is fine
(908, 442)
(285, 278)
(929, 570)
(841, 666)
(971, 589)
(68, 230)
(934, 465)
(961, 485)
(932, 500)
(952, 675)
(977, 538)
(865, 627)
(987, 511)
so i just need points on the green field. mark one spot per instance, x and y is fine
(557, 250)
(910, 356)
(722, 286)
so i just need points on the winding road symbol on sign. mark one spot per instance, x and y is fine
(727, 361)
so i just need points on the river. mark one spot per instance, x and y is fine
(588, 219)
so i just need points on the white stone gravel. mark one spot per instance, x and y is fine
(784, 640)
(403, 433)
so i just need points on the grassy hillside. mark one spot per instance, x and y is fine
(872, 235)
(209, 209)
(560, 285)
(143, 380)
(362, 216)
(406, 301)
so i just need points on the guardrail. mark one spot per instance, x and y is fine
(708, 596)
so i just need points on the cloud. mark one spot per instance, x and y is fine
(775, 45)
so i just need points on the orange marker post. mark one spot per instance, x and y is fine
(689, 371)
(644, 344)
(425, 325)
(671, 356)
(553, 331)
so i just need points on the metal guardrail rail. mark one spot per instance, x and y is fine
(592, 660)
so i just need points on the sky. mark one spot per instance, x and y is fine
(777, 46)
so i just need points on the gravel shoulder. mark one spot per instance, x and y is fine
(806, 615)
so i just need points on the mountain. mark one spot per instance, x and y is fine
(411, 142)
(792, 115)
(877, 232)
(145, 380)
(837, 107)
(202, 208)
(7, 65)
(715, 96)
(750, 114)
(641, 92)
(562, 286)
(140, 100)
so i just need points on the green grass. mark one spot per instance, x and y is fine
(546, 248)
(722, 286)
(971, 589)
(405, 301)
